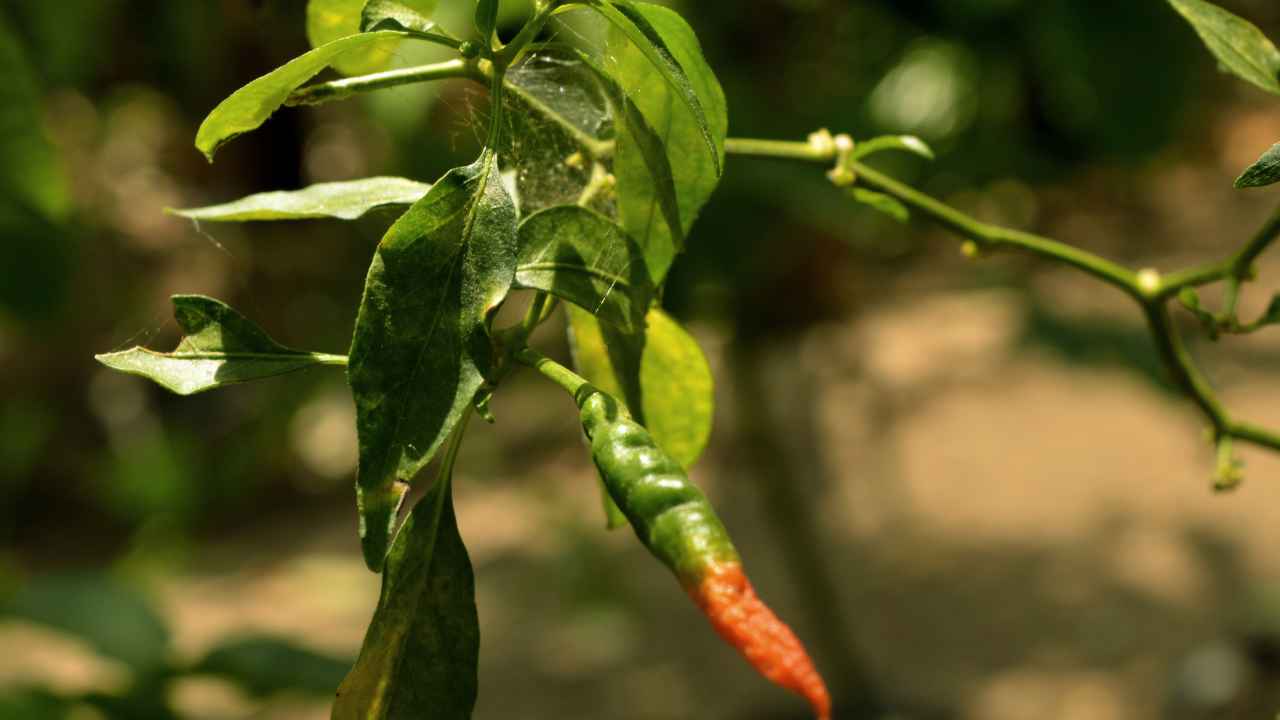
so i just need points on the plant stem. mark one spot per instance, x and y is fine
(593, 147)
(327, 359)
(1239, 266)
(1185, 372)
(997, 238)
(1151, 291)
(542, 12)
(347, 87)
(1242, 263)
(779, 149)
(572, 382)
(534, 316)
(481, 71)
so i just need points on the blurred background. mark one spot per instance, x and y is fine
(967, 485)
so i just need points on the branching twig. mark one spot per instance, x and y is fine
(1148, 288)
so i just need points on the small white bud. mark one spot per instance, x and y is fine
(1149, 280)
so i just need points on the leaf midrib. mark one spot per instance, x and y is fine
(454, 267)
(615, 280)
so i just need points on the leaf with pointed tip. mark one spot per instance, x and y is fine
(641, 194)
(250, 106)
(220, 347)
(583, 257)
(661, 373)
(347, 200)
(421, 348)
(1239, 45)
(644, 172)
(636, 21)
(420, 654)
(408, 16)
(905, 143)
(881, 202)
(486, 18)
(1264, 172)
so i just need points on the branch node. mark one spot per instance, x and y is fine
(1230, 471)
(973, 251)
(1149, 281)
(842, 175)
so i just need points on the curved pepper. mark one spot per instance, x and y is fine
(674, 520)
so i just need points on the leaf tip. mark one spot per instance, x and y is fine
(918, 146)
(374, 550)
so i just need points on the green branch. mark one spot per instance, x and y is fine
(348, 87)
(542, 12)
(1151, 291)
(478, 70)
(1237, 268)
(573, 383)
(991, 237)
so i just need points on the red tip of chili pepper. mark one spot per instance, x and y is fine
(726, 597)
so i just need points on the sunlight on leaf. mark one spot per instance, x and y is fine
(663, 376)
(583, 257)
(1239, 45)
(346, 200)
(220, 347)
(329, 20)
(420, 655)
(641, 199)
(250, 106)
(421, 348)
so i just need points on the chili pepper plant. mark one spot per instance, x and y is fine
(599, 152)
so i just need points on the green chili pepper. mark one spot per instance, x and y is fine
(677, 524)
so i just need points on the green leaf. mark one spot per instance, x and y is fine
(1240, 46)
(412, 16)
(487, 18)
(421, 651)
(640, 23)
(662, 374)
(265, 665)
(882, 203)
(642, 147)
(346, 200)
(905, 143)
(329, 20)
(585, 258)
(1264, 172)
(112, 618)
(220, 348)
(421, 347)
(642, 194)
(250, 106)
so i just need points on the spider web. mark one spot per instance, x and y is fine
(547, 159)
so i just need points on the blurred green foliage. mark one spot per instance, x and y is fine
(119, 622)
